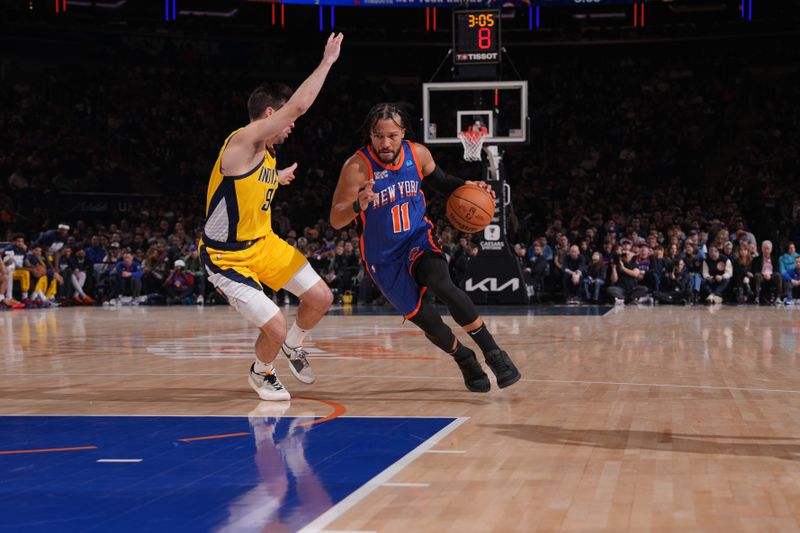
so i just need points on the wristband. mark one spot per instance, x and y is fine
(357, 207)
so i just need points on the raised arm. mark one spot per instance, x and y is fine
(258, 132)
(353, 192)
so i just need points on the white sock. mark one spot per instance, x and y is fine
(263, 368)
(24, 295)
(295, 336)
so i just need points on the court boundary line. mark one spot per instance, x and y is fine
(47, 450)
(319, 524)
(230, 416)
(437, 378)
(583, 382)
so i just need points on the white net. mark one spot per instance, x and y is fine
(472, 142)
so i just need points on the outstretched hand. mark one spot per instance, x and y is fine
(332, 48)
(483, 185)
(366, 195)
(286, 175)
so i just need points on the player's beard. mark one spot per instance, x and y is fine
(388, 157)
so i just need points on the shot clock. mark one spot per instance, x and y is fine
(476, 37)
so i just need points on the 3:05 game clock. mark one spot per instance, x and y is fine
(476, 37)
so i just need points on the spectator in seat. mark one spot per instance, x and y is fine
(625, 280)
(154, 270)
(596, 273)
(791, 283)
(179, 283)
(743, 274)
(280, 222)
(717, 273)
(574, 266)
(462, 264)
(14, 261)
(64, 270)
(96, 254)
(536, 265)
(644, 262)
(676, 285)
(607, 251)
(114, 257)
(671, 256)
(82, 277)
(547, 250)
(7, 281)
(332, 271)
(349, 267)
(658, 262)
(195, 266)
(45, 280)
(787, 260)
(127, 276)
(727, 250)
(767, 280)
(560, 252)
(694, 265)
(174, 250)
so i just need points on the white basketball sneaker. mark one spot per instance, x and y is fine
(298, 363)
(267, 386)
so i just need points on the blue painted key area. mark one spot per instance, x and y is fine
(279, 476)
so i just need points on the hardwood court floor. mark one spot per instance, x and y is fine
(644, 419)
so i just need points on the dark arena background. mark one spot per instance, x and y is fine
(640, 269)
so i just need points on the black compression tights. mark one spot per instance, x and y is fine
(431, 271)
(428, 320)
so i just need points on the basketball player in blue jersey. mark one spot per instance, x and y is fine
(380, 187)
(239, 249)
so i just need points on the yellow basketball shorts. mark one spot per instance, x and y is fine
(270, 261)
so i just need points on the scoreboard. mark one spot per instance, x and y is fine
(476, 37)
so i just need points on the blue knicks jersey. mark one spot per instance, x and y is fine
(391, 225)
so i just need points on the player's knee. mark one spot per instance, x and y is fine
(319, 296)
(275, 328)
(327, 297)
(435, 329)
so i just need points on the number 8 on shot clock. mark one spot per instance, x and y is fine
(476, 37)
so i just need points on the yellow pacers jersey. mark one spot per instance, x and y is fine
(238, 207)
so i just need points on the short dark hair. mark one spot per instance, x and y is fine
(18, 236)
(270, 94)
(385, 111)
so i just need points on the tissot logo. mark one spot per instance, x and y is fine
(484, 56)
(490, 285)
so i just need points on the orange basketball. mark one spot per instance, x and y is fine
(470, 208)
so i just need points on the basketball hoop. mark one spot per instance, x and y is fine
(472, 141)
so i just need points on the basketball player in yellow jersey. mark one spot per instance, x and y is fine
(239, 249)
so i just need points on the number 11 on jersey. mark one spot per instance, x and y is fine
(400, 219)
